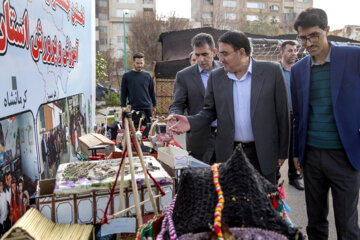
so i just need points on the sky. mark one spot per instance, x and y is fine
(340, 13)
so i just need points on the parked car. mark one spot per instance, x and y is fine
(100, 89)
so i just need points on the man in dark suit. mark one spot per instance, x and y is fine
(189, 92)
(288, 54)
(249, 100)
(45, 154)
(325, 90)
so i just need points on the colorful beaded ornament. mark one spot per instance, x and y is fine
(220, 204)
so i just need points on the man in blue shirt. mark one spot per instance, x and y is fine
(288, 54)
(325, 92)
(189, 92)
(250, 102)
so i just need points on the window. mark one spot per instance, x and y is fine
(102, 3)
(103, 16)
(208, 2)
(227, 27)
(229, 4)
(299, 9)
(229, 16)
(288, 10)
(207, 15)
(302, 0)
(252, 17)
(255, 5)
(126, 1)
(119, 13)
(120, 39)
(103, 29)
(103, 41)
(274, 8)
(148, 11)
(119, 26)
(148, 1)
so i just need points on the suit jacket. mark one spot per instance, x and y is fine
(269, 111)
(189, 93)
(345, 95)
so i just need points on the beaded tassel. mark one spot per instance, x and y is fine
(168, 223)
(220, 204)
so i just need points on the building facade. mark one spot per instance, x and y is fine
(111, 15)
(349, 31)
(232, 14)
(110, 22)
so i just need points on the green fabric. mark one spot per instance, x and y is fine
(322, 130)
(148, 231)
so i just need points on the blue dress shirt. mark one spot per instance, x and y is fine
(204, 77)
(287, 77)
(242, 95)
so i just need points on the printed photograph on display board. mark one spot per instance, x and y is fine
(77, 120)
(18, 168)
(60, 123)
(53, 135)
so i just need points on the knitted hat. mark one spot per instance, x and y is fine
(246, 199)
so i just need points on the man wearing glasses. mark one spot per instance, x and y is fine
(249, 100)
(325, 89)
(189, 92)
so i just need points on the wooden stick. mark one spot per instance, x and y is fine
(121, 188)
(139, 127)
(132, 171)
(131, 207)
(146, 177)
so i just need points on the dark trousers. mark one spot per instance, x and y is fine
(325, 169)
(139, 113)
(209, 156)
(250, 153)
(292, 172)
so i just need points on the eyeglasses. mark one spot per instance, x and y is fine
(224, 54)
(312, 38)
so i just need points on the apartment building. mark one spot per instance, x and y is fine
(110, 15)
(231, 14)
(349, 31)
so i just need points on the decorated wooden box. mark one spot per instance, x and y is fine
(80, 196)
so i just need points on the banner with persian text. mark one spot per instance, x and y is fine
(45, 52)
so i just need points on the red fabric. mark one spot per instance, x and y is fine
(157, 225)
(281, 190)
(275, 203)
(14, 209)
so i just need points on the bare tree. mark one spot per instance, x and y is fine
(114, 69)
(225, 18)
(262, 25)
(174, 23)
(145, 31)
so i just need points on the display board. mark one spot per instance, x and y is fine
(47, 53)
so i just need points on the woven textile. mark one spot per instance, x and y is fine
(246, 199)
(239, 234)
